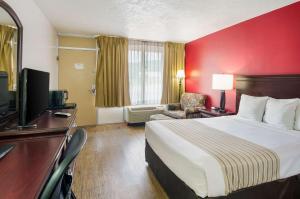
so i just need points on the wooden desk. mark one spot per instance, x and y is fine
(25, 170)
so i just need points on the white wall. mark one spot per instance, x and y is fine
(39, 39)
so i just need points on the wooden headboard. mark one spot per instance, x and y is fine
(276, 86)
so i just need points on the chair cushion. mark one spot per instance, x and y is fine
(176, 114)
(190, 100)
(173, 106)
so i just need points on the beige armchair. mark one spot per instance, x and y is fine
(189, 106)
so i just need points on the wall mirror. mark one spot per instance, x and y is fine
(10, 44)
(11, 31)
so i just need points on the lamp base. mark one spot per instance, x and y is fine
(222, 100)
(218, 109)
(179, 92)
(222, 111)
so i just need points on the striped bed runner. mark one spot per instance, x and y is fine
(244, 164)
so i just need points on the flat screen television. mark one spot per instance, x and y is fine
(33, 95)
(4, 95)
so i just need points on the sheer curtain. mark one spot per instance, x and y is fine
(145, 66)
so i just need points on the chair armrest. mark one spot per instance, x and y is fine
(173, 106)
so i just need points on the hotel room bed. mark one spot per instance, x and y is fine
(200, 171)
(188, 171)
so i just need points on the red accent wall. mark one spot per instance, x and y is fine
(265, 45)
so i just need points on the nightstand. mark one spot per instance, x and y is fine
(206, 113)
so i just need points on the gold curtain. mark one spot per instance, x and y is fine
(112, 88)
(174, 60)
(6, 53)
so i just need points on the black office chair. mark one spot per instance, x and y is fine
(59, 184)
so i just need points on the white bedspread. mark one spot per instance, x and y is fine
(200, 171)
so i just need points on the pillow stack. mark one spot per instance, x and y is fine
(282, 113)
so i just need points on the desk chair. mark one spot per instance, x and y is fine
(59, 183)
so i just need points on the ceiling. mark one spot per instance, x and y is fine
(159, 20)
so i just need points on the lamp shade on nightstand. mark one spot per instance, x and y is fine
(222, 82)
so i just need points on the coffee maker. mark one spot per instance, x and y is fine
(58, 98)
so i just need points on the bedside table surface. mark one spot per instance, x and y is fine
(215, 113)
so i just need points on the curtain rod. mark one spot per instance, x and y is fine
(145, 40)
(95, 36)
(77, 48)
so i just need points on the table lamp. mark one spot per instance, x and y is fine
(180, 75)
(222, 82)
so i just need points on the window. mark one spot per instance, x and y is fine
(145, 65)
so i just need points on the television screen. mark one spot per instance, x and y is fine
(4, 94)
(34, 94)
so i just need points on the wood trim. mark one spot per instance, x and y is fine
(276, 86)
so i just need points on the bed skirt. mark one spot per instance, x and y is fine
(176, 189)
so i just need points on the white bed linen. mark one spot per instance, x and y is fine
(200, 171)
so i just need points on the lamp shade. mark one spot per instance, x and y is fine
(222, 81)
(180, 74)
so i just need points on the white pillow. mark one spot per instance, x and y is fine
(297, 119)
(252, 108)
(281, 112)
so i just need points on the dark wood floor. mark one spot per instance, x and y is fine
(112, 165)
